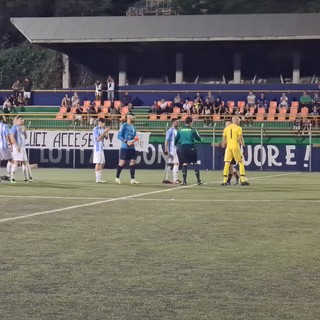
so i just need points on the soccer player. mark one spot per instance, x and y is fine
(233, 141)
(18, 136)
(127, 135)
(187, 152)
(5, 144)
(100, 133)
(172, 163)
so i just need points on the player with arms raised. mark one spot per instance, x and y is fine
(233, 141)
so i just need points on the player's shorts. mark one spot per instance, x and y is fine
(27, 94)
(173, 158)
(187, 154)
(128, 154)
(98, 157)
(5, 154)
(19, 155)
(233, 153)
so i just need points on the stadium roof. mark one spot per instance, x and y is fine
(170, 28)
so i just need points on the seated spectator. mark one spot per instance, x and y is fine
(130, 108)
(196, 107)
(66, 102)
(209, 97)
(114, 117)
(79, 117)
(98, 90)
(126, 99)
(198, 98)
(207, 107)
(163, 106)
(186, 108)
(284, 101)
(155, 108)
(177, 101)
(218, 107)
(251, 101)
(75, 100)
(316, 100)
(8, 105)
(305, 101)
(262, 102)
(92, 114)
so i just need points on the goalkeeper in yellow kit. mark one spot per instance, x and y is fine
(233, 140)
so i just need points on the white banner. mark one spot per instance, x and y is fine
(81, 140)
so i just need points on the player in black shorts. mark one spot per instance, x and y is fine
(187, 152)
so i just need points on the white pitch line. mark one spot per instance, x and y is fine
(229, 200)
(116, 199)
(48, 197)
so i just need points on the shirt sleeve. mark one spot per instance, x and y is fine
(121, 133)
(96, 134)
(169, 135)
(177, 138)
(13, 130)
(196, 135)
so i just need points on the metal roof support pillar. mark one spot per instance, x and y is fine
(66, 77)
(179, 68)
(122, 70)
(296, 68)
(237, 67)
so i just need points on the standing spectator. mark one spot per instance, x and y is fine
(316, 100)
(315, 114)
(66, 102)
(79, 115)
(75, 100)
(126, 99)
(284, 101)
(187, 151)
(100, 133)
(98, 90)
(251, 101)
(16, 88)
(27, 87)
(19, 102)
(114, 116)
(110, 88)
(210, 97)
(177, 102)
(186, 108)
(262, 102)
(207, 111)
(305, 101)
(92, 114)
(127, 135)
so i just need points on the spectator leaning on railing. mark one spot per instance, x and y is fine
(251, 101)
(27, 87)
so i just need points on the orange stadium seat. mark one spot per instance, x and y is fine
(153, 117)
(124, 110)
(63, 110)
(241, 105)
(295, 104)
(273, 104)
(107, 103)
(101, 115)
(97, 103)
(271, 113)
(260, 114)
(163, 117)
(304, 111)
(86, 103)
(59, 116)
(70, 116)
(231, 105)
(105, 109)
(176, 110)
(282, 114)
(216, 117)
(184, 116)
(293, 113)
(117, 104)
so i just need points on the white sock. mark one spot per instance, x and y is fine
(13, 171)
(168, 171)
(9, 166)
(98, 176)
(175, 172)
(25, 171)
(29, 170)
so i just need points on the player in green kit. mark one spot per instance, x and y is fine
(187, 152)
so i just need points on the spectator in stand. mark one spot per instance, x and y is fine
(79, 115)
(316, 100)
(164, 108)
(196, 107)
(198, 98)
(177, 101)
(284, 101)
(262, 102)
(66, 102)
(27, 87)
(92, 114)
(110, 88)
(155, 107)
(207, 111)
(209, 97)
(114, 116)
(305, 101)
(315, 114)
(130, 108)
(98, 90)
(186, 108)
(16, 88)
(75, 100)
(218, 107)
(251, 101)
(126, 99)
(8, 105)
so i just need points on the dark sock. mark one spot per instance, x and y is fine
(119, 169)
(184, 173)
(132, 171)
(197, 171)
(229, 177)
(236, 175)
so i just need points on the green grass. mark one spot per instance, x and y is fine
(201, 252)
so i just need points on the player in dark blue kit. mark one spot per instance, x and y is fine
(127, 135)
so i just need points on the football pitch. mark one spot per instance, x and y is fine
(74, 249)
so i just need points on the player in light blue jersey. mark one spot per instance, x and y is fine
(170, 150)
(100, 133)
(127, 135)
(18, 136)
(5, 145)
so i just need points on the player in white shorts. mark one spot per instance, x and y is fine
(19, 153)
(5, 145)
(100, 133)
(172, 164)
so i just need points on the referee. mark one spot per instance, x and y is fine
(187, 152)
